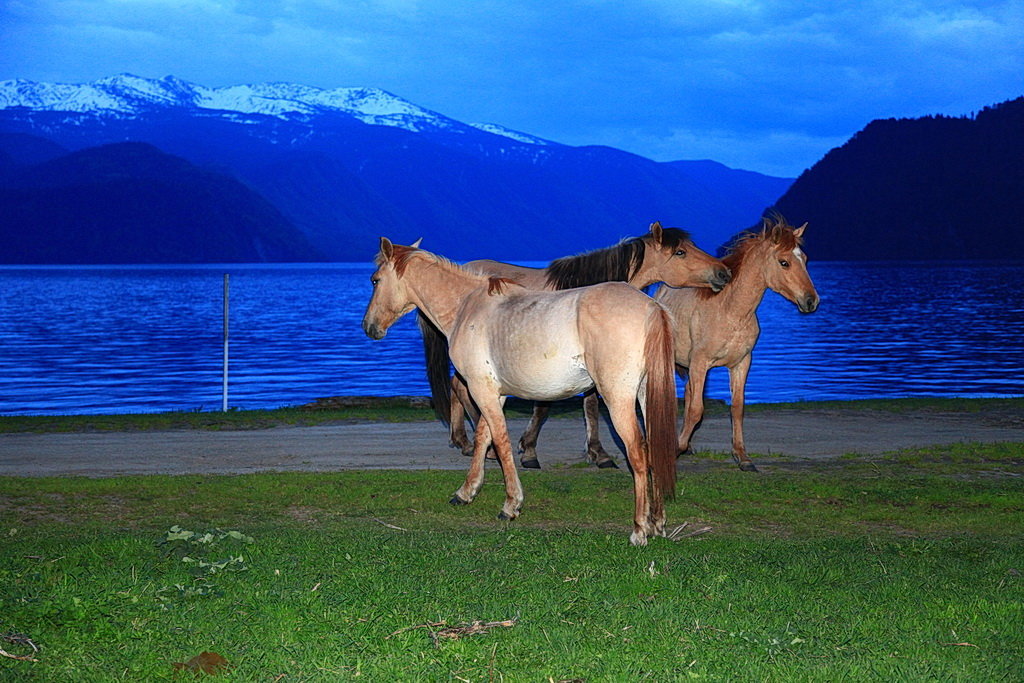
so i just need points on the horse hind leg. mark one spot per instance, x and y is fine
(460, 405)
(656, 514)
(592, 414)
(624, 419)
(528, 441)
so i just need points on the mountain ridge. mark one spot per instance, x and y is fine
(129, 202)
(348, 165)
(928, 188)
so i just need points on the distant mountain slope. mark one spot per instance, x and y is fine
(19, 149)
(132, 203)
(929, 188)
(350, 164)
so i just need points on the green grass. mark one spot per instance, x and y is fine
(368, 410)
(903, 567)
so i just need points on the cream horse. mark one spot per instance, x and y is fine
(721, 329)
(662, 255)
(544, 346)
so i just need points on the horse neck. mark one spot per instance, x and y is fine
(439, 290)
(744, 293)
(645, 274)
(603, 265)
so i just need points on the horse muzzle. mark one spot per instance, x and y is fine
(719, 279)
(808, 304)
(373, 331)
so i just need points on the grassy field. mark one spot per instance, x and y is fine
(899, 567)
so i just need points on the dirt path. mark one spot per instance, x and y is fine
(420, 445)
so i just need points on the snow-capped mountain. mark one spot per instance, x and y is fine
(347, 165)
(126, 95)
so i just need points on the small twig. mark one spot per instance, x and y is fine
(17, 639)
(20, 658)
(456, 632)
(677, 533)
(959, 645)
(390, 526)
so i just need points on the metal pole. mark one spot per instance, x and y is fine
(224, 400)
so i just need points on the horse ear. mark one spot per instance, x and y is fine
(656, 232)
(416, 244)
(799, 232)
(387, 249)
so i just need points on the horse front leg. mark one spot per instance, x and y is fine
(693, 405)
(492, 414)
(466, 493)
(592, 414)
(528, 441)
(737, 388)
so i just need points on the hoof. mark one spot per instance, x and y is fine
(607, 465)
(530, 464)
(505, 517)
(637, 539)
(748, 467)
(457, 501)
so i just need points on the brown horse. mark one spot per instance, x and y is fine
(662, 255)
(721, 329)
(544, 346)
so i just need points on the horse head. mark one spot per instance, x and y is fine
(786, 267)
(391, 297)
(678, 262)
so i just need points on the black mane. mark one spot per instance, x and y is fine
(617, 263)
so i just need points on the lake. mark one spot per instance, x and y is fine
(149, 338)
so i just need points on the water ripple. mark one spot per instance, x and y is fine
(99, 340)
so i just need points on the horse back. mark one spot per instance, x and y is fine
(531, 278)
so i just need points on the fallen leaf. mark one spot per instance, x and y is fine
(205, 663)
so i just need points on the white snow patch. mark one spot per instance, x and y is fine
(495, 129)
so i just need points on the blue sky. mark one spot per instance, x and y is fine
(764, 85)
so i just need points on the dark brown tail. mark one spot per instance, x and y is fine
(661, 400)
(439, 374)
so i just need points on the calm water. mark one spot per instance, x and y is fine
(99, 340)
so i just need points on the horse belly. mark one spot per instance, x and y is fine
(540, 369)
(545, 379)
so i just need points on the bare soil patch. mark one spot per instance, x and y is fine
(800, 434)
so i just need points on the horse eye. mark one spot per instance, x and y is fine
(374, 281)
(680, 252)
(784, 263)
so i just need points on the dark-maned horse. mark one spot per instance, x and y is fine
(661, 255)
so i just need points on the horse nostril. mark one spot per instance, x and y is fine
(724, 275)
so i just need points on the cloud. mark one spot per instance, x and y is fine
(663, 78)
